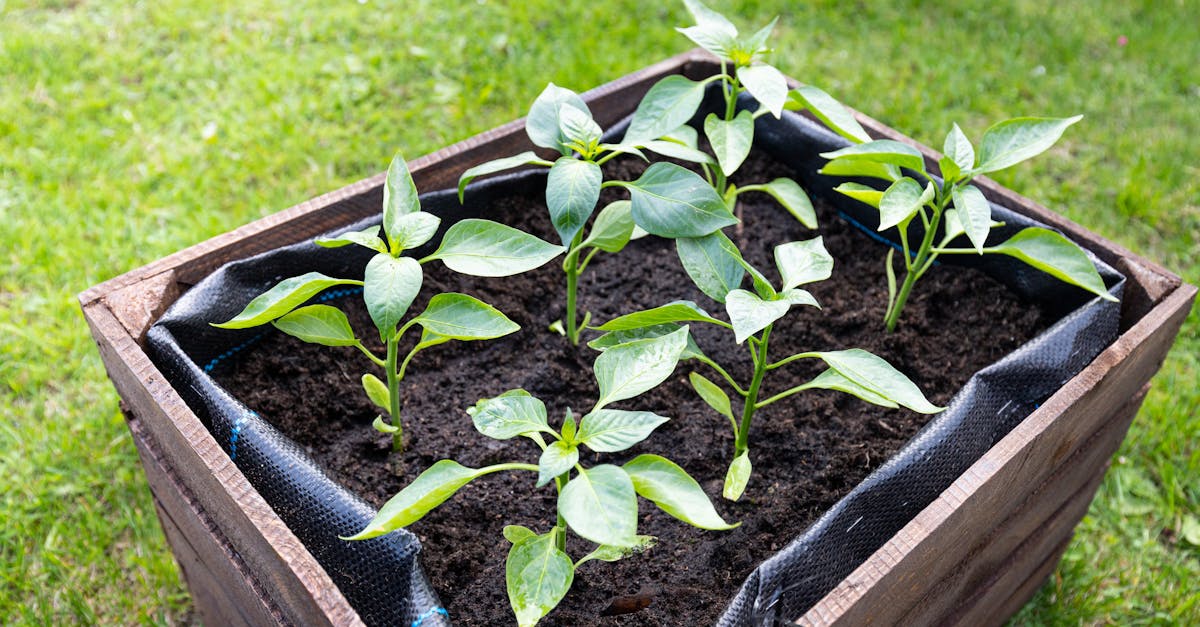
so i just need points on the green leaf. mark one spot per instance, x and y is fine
(902, 200)
(709, 18)
(1055, 255)
(669, 104)
(672, 201)
(538, 576)
(516, 533)
(497, 165)
(414, 229)
(949, 169)
(613, 430)
(399, 198)
(572, 189)
(869, 169)
(959, 149)
(974, 214)
(737, 477)
(486, 248)
(829, 111)
(1013, 141)
(788, 193)
(600, 505)
(318, 324)
(713, 262)
(685, 135)
(430, 489)
(803, 262)
(377, 391)
(379, 425)
(608, 553)
(832, 380)
(761, 284)
(712, 394)
(678, 311)
(509, 415)
(390, 285)
(543, 124)
(616, 338)
(798, 296)
(881, 151)
(766, 84)
(368, 238)
(861, 193)
(678, 151)
(285, 296)
(568, 426)
(757, 43)
(668, 486)
(878, 376)
(731, 141)
(711, 39)
(461, 317)
(626, 370)
(751, 314)
(558, 458)
(953, 227)
(578, 127)
(613, 227)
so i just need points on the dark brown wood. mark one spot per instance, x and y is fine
(222, 531)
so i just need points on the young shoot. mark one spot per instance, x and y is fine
(718, 269)
(667, 200)
(391, 282)
(952, 208)
(597, 503)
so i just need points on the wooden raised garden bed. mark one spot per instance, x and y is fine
(973, 556)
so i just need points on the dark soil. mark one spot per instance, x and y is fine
(808, 451)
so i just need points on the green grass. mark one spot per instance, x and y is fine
(127, 133)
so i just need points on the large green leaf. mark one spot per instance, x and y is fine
(713, 262)
(367, 238)
(616, 338)
(712, 394)
(750, 314)
(626, 370)
(430, 489)
(828, 110)
(832, 380)
(613, 227)
(711, 39)
(788, 193)
(877, 375)
(731, 140)
(606, 553)
(881, 151)
(974, 214)
(861, 193)
(672, 201)
(870, 169)
(414, 229)
(959, 149)
(737, 477)
(558, 458)
(572, 189)
(399, 197)
(600, 505)
(543, 124)
(668, 486)
(284, 297)
(1055, 255)
(538, 576)
(678, 311)
(767, 84)
(678, 151)
(709, 18)
(1013, 141)
(497, 165)
(390, 285)
(803, 262)
(318, 324)
(509, 415)
(902, 200)
(669, 104)
(486, 248)
(613, 430)
(461, 317)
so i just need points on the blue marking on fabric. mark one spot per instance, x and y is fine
(429, 613)
(238, 425)
(877, 237)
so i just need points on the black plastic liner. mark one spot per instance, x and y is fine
(374, 574)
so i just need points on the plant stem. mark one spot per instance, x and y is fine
(760, 369)
(560, 539)
(918, 266)
(571, 266)
(393, 382)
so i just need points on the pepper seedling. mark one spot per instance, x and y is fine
(390, 284)
(1003, 145)
(718, 269)
(597, 503)
(666, 200)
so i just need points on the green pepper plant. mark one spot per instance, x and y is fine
(718, 269)
(390, 284)
(597, 503)
(952, 207)
(666, 200)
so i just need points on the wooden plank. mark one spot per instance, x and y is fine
(223, 591)
(286, 570)
(1002, 558)
(938, 538)
(1025, 591)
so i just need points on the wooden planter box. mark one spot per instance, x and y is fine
(973, 556)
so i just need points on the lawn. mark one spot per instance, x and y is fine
(130, 131)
